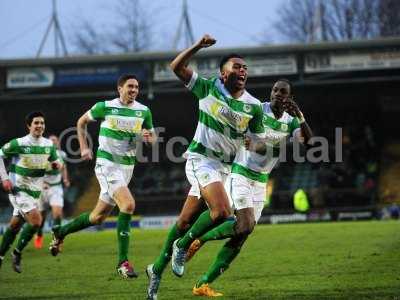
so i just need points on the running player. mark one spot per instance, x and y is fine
(53, 193)
(226, 112)
(248, 181)
(123, 122)
(30, 155)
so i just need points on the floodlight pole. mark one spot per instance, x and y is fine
(185, 27)
(58, 35)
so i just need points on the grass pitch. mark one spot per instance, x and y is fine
(347, 260)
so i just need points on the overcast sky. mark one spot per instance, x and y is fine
(233, 23)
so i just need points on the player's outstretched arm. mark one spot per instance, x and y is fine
(180, 64)
(65, 176)
(86, 152)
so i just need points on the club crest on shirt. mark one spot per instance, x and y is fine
(139, 114)
(247, 108)
(284, 127)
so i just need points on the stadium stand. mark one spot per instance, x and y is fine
(348, 85)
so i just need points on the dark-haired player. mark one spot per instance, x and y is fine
(123, 121)
(226, 112)
(248, 180)
(30, 156)
(53, 194)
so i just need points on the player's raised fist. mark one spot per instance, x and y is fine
(206, 41)
(7, 186)
(86, 154)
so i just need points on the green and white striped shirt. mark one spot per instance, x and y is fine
(30, 157)
(120, 127)
(255, 166)
(223, 120)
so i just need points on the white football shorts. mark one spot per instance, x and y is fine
(111, 178)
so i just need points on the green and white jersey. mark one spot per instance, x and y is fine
(223, 120)
(30, 157)
(54, 177)
(120, 126)
(255, 166)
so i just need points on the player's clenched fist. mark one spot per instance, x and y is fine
(7, 186)
(206, 41)
(86, 154)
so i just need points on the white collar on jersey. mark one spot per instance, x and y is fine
(267, 110)
(34, 140)
(126, 105)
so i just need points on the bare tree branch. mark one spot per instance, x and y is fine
(334, 20)
(130, 30)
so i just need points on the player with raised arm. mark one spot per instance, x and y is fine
(30, 156)
(124, 122)
(226, 112)
(53, 193)
(248, 180)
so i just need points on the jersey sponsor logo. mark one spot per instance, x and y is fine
(132, 126)
(229, 117)
(34, 162)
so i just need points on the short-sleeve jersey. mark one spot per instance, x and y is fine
(255, 166)
(29, 160)
(54, 177)
(223, 120)
(119, 129)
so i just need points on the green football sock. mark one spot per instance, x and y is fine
(56, 221)
(123, 232)
(202, 225)
(224, 258)
(166, 252)
(26, 235)
(8, 238)
(222, 231)
(79, 223)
